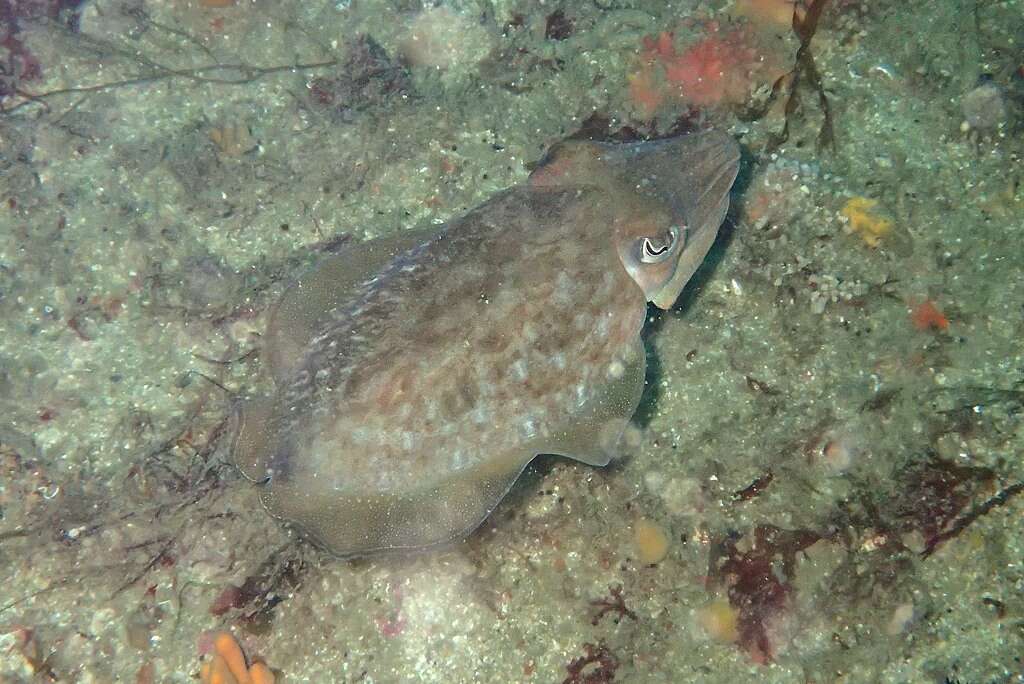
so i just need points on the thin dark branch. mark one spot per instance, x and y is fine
(961, 524)
(246, 74)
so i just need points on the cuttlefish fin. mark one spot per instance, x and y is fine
(252, 443)
(356, 523)
(306, 303)
(594, 437)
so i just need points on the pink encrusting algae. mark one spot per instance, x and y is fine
(720, 68)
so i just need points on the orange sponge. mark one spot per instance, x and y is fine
(228, 665)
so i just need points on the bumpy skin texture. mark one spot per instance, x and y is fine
(417, 376)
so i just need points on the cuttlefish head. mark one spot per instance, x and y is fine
(689, 177)
(673, 195)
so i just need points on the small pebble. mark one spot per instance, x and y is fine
(902, 617)
(984, 108)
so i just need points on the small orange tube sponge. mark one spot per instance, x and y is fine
(927, 316)
(228, 665)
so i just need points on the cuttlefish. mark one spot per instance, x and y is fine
(417, 375)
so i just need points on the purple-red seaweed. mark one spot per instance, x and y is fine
(367, 78)
(755, 589)
(613, 603)
(18, 64)
(596, 666)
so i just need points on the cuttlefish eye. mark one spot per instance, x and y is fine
(653, 250)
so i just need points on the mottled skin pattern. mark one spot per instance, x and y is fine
(473, 350)
(409, 401)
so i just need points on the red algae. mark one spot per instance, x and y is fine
(718, 69)
(614, 604)
(757, 592)
(933, 493)
(18, 64)
(713, 70)
(645, 91)
(596, 666)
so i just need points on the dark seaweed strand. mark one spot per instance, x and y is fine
(807, 28)
(803, 66)
(999, 499)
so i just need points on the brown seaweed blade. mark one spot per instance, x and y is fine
(804, 67)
